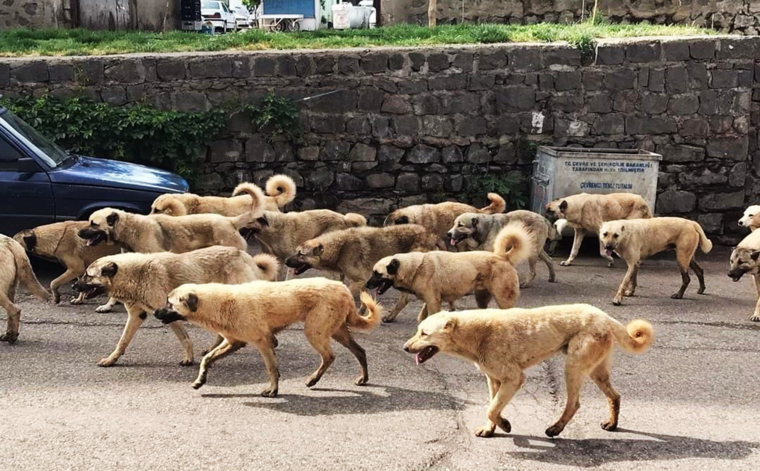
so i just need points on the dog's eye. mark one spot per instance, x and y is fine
(94, 224)
(604, 235)
(423, 334)
(615, 236)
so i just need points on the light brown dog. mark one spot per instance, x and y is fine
(255, 312)
(15, 267)
(586, 212)
(438, 218)
(751, 218)
(503, 344)
(353, 252)
(636, 239)
(281, 190)
(444, 276)
(60, 243)
(480, 232)
(281, 233)
(162, 233)
(143, 281)
(744, 259)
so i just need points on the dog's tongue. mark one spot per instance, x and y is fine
(609, 253)
(453, 242)
(89, 242)
(417, 358)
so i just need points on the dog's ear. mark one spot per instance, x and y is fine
(392, 267)
(109, 270)
(402, 220)
(263, 221)
(563, 206)
(191, 301)
(755, 254)
(30, 241)
(112, 218)
(318, 250)
(474, 222)
(450, 324)
(622, 228)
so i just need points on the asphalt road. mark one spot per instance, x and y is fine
(689, 403)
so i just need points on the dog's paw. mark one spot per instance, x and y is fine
(9, 337)
(361, 381)
(103, 309)
(755, 318)
(618, 300)
(389, 319)
(504, 424)
(269, 392)
(524, 284)
(56, 298)
(554, 430)
(485, 431)
(311, 382)
(198, 384)
(628, 293)
(609, 426)
(552, 279)
(701, 290)
(186, 362)
(75, 301)
(105, 362)
(565, 263)
(610, 264)
(676, 296)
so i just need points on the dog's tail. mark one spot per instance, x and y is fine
(172, 206)
(704, 243)
(257, 204)
(24, 271)
(355, 220)
(514, 243)
(498, 205)
(268, 264)
(365, 323)
(636, 337)
(282, 188)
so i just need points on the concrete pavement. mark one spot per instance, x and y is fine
(689, 403)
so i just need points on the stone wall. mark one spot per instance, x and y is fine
(735, 16)
(33, 13)
(416, 125)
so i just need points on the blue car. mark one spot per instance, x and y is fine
(40, 183)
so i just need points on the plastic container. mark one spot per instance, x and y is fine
(341, 15)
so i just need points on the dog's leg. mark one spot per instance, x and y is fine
(67, 276)
(134, 320)
(531, 272)
(683, 265)
(217, 341)
(506, 390)
(574, 376)
(756, 315)
(549, 264)
(700, 275)
(483, 297)
(79, 299)
(403, 300)
(185, 342)
(630, 290)
(579, 235)
(432, 306)
(222, 350)
(316, 336)
(107, 306)
(488, 429)
(14, 316)
(601, 376)
(632, 267)
(343, 337)
(270, 361)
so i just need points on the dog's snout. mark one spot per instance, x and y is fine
(609, 247)
(406, 348)
(741, 223)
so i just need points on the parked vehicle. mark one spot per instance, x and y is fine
(243, 18)
(40, 183)
(219, 15)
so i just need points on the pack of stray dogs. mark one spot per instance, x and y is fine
(187, 261)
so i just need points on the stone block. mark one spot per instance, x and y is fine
(408, 183)
(481, 82)
(516, 98)
(676, 202)
(115, 96)
(310, 154)
(362, 153)
(654, 103)
(621, 79)
(30, 72)
(695, 127)
(703, 177)
(708, 103)
(412, 87)
(593, 80)
(320, 178)
(283, 152)
(677, 79)
(731, 148)
(561, 55)
(405, 125)
(683, 105)
(451, 154)
(324, 65)
(492, 60)
(436, 126)
(697, 72)
(567, 81)
(675, 51)
(226, 150)
(258, 149)
(348, 182)
(374, 63)
(169, 71)
(643, 52)
(610, 54)
(417, 61)
(381, 180)
(437, 62)
(286, 66)
(358, 126)
(681, 153)
(423, 154)
(432, 182)
(722, 201)
(472, 126)
(711, 223)
(331, 124)
(348, 65)
(396, 104)
(448, 82)
(208, 67)
(390, 153)
(724, 79)
(335, 150)
(477, 154)
(464, 61)
(737, 176)
(341, 102)
(58, 73)
(190, 101)
(613, 123)
(264, 67)
(599, 103)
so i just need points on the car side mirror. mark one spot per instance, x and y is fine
(27, 165)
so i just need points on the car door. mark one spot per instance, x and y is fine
(26, 196)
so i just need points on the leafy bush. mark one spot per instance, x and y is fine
(510, 186)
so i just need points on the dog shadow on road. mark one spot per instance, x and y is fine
(655, 447)
(367, 400)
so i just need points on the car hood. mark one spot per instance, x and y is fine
(114, 174)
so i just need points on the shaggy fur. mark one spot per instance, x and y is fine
(744, 259)
(143, 281)
(15, 267)
(60, 243)
(255, 312)
(480, 232)
(751, 218)
(444, 276)
(637, 239)
(438, 218)
(586, 212)
(503, 344)
(353, 252)
(281, 190)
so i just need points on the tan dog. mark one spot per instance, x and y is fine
(255, 312)
(59, 242)
(143, 281)
(480, 232)
(437, 276)
(637, 239)
(503, 344)
(586, 212)
(751, 218)
(353, 252)
(15, 267)
(744, 259)
(438, 218)
(162, 233)
(281, 190)
(282, 233)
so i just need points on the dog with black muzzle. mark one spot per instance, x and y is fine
(744, 260)
(445, 276)
(143, 281)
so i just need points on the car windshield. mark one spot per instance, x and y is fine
(210, 6)
(42, 146)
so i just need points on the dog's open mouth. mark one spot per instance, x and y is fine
(90, 291)
(426, 354)
(167, 316)
(300, 268)
(608, 252)
(247, 233)
(93, 237)
(383, 286)
(457, 238)
(736, 275)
